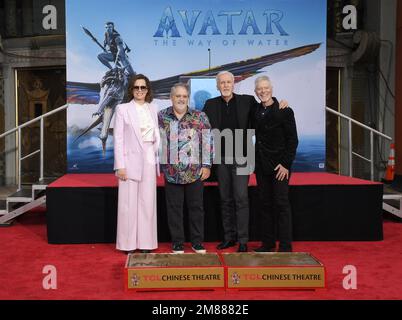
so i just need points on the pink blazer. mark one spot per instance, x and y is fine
(128, 143)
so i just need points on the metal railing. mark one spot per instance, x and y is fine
(351, 152)
(40, 150)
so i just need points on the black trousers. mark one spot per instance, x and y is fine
(175, 195)
(275, 211)
(233, 190)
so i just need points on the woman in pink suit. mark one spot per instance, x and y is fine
(136, 141)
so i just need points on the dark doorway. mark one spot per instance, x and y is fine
(39, 91)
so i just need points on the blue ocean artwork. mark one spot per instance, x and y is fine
(201, 90)
(310, 155)
(84, 157)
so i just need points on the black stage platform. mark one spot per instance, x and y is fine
(82, 208)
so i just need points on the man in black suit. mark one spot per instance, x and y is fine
(276, 144)
(229, 113)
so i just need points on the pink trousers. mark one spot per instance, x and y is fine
(136, 217)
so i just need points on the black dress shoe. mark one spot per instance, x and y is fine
(265, 249)
(145, 251)
(287, 249)
(242, 248)
(226, 244)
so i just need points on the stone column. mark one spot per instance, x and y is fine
(27, 17)
(2, 159)
(398, 96)
(10, 15)
(9, 123)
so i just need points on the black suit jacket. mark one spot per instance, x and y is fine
(245, 106)
(276, 138)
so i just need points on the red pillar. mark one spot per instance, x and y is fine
(398, 95)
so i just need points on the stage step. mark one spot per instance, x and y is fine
(22, 209)
(42, 184)
(392, 203)
(3, 207)
(24, 200)
(24, 195)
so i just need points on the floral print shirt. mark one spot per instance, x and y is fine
(186, 145)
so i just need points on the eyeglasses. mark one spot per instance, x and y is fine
(140, 87)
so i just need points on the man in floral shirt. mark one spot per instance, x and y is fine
(186, 159)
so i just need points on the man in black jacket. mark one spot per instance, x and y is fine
(230, 115)
(276, 144)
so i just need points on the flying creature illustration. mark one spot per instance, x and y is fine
(111, 90)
